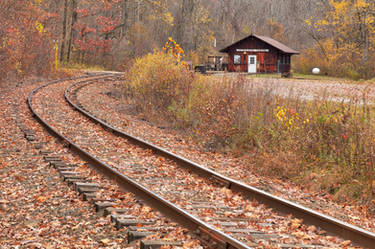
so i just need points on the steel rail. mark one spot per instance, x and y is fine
(218, 239)
(332, 225)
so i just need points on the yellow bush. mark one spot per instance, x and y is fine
(155, 80)
(340, 61)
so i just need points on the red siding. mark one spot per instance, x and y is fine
(266, 61)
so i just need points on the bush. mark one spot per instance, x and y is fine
(294, 138)
(335, 61)
(154, 81)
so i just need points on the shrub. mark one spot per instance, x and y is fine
(339, 61)
(154, 81)
(292, 137)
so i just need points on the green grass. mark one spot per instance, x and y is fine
(300, 76)
(319, 77)
(330, 78)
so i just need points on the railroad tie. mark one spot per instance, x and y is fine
(85, 187)
(52, 158)
(45, 152)
(115, 217)
(100, 206)
(135, 235)
(106, 207)
(69, 173)
(88, 196)
(64, 169)
(112, 210)
(120, 223)
(30, 136)
(155, 244)
(57, 164)
(70, 180)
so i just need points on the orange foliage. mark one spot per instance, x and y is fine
(25, 46)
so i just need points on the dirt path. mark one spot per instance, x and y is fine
(310, 90)
(344, 91)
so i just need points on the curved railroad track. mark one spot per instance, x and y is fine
(140, 220)
(217, 208)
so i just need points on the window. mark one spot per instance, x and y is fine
(285, 59)
(237, 59)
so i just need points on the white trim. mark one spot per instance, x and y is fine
(253, 50)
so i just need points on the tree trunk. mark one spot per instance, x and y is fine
(124, 16)
(62, 50)
(366, 40)
(185, 29)
(71, 34)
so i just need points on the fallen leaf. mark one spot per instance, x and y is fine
(105, 241)
(311, 229)
(346, 243)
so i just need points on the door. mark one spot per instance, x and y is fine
(252, 64)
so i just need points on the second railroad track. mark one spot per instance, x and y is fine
(222, 212)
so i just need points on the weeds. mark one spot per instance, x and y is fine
(329, 144)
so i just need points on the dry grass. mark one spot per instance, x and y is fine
(318, 142)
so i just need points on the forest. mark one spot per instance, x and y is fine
(299, 136)
(38, 36)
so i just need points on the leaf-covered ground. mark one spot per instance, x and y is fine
(102, 101)
(37, 209)
(197, 195)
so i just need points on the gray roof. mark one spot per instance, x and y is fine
(267, 40)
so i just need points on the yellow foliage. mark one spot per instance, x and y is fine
(154, 70)
(168, 18)
(288, 117)
(39, 27)
(361, 4)
(173, 49)
(347, 48)
(308, 22)
(246, 29)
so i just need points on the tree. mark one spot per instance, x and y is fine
(346, 34)
(25, 41)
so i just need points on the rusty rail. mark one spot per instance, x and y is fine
(218, 238)
(332, 225)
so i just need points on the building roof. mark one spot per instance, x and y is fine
(267, 40)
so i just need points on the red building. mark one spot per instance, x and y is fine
(259, 54)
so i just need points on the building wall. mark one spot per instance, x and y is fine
(267, 62)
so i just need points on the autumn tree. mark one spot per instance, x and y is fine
(345, 37)
(109, 32)
(25, 42)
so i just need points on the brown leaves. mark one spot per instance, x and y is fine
(296, 223)
(40, 199)
(346, 243)
(105, 242)
(3, 201)
(312, 229)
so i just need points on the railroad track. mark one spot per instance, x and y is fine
(140, 220)
(218, 208)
